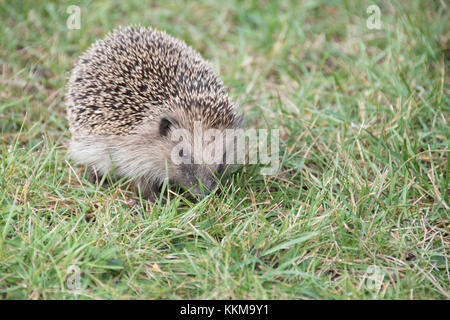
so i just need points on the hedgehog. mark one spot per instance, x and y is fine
(128, 97)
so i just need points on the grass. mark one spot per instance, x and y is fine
(363, 183)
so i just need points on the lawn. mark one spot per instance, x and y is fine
(359, 208)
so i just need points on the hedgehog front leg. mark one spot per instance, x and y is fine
(96, 177)
(149, 190)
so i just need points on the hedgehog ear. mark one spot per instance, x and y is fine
(165, 124)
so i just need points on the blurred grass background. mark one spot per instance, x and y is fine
(364, 177)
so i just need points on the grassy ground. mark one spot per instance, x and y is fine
(363, 188)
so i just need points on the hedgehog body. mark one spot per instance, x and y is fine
(127, 95)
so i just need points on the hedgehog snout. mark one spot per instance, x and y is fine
(198, 179)
(204, 188)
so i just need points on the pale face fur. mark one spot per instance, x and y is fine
(154, 154)
(194, 152)
(196, 164)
